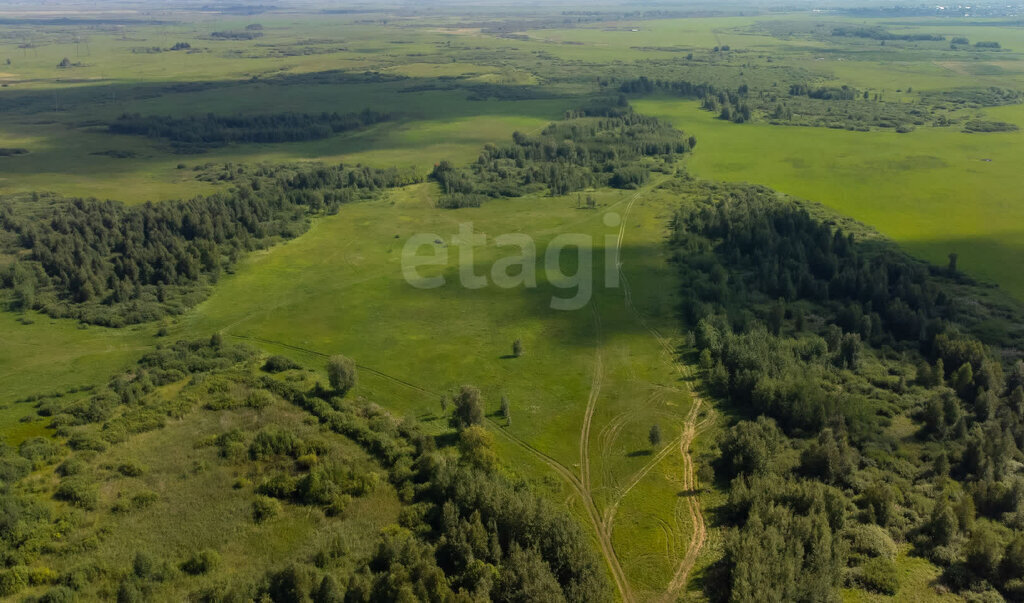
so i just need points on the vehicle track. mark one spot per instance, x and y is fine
(581, 485)
(690, 430)
(693, 505)
(603, 537)
(588, 415)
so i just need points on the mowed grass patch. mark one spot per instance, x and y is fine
(934, 191)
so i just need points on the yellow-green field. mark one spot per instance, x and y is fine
(340, 288)
(592, 381)
(934, 191)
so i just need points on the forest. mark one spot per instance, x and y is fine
(822, 343)
(199, 131)
(591, 147)
(105, 263)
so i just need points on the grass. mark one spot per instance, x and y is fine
(339, 288)
(934, 191)
(917, 583)
(198, 503)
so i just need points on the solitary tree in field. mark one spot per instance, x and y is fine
(654, 437)
(952, 263)
(444, 404)
(517, 348)
(505, 410)
(341, 372)
(65, 62)
(469, 410)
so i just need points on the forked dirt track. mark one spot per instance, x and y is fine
(690, 430)
(603, 523)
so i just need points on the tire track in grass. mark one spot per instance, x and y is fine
(690, 429)
(604, 540)
(588, 415)
(361, 367)
(693, 504)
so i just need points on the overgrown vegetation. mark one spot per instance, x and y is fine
(830, 342)
(465, 530)
(198, 132)
(593, 147)
(105, 263)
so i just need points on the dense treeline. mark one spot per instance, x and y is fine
(645, 85)
(827, 343)
(973, 98)
(730, 105)
(466, 532)
(802, 104)
(479, 533)
(879, 33)
(976, 126)
(824, 92)
(602, 146)
(217, 130)
(106, 263)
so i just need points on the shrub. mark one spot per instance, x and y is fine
(291, 584)
(307, 461)
(870, 540)
(273, 441)
(264, 508)
(41, 575)
(129, 592)
(59, 594)
(14, 468)
(278, 364)
(85, 441)
(341, 373)
(77, 491)
(129, 469)
(202, 562)
(259, 399)
(13, 580)
(142, 565)
(72, 466)
(38, 449)
(279, 486)
(880, 575)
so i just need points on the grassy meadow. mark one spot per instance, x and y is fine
(340, 289)
(603, 374)
(934, 191)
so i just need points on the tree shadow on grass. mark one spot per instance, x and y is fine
(445, 440)
(636, 453)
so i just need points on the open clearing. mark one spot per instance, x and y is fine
(934, 191)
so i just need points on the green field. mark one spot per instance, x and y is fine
(934, 191)
(592, 381)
